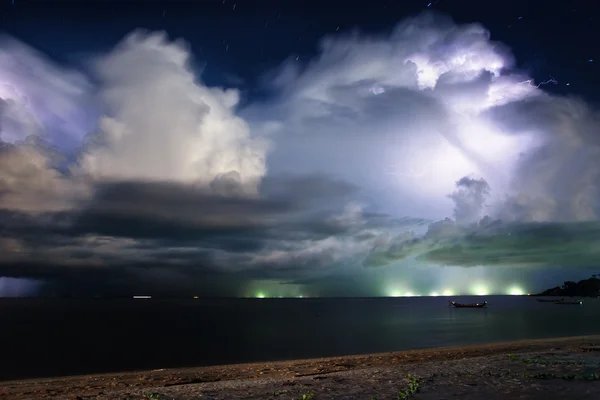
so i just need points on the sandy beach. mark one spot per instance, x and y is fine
(531, 369)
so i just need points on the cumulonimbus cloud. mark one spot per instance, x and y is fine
(433, 102)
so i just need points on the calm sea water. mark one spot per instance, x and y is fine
(42, 337)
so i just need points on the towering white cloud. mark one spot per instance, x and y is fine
(469, 199)
(163, 124)
(428, 104)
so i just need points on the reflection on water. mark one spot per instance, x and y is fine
(57, 337)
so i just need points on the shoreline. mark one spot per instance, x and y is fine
(222, 381)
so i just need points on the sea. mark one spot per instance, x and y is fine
(57, 337)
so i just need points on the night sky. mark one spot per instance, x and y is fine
(298, 148)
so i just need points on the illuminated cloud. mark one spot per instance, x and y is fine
(427, 105)
(558, 178)
(41, 98)
(162, 124)
(470, 196)
(409, 110)
(30, 182)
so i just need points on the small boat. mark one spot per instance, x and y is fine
(472, 305)
(568, 302)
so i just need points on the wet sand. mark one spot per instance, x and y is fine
(531, 369)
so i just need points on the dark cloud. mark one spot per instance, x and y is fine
(522, 244)
(186, 213)
(297, 225)
(392, 249)
(473, 241)
(571, 245)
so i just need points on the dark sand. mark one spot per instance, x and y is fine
(533, 369)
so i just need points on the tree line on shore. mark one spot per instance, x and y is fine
(584, 288)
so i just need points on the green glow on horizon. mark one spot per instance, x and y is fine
(480, 290)
(448, 293)
(515, 291)
(434, 294)
(272, 289)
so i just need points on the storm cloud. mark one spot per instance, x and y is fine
(422, 147)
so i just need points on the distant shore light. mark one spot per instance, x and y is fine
(480, 290)
(515, 291)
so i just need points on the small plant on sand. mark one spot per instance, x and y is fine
(155, 396)
(308, 396)
(413, 388)
(279, 392)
